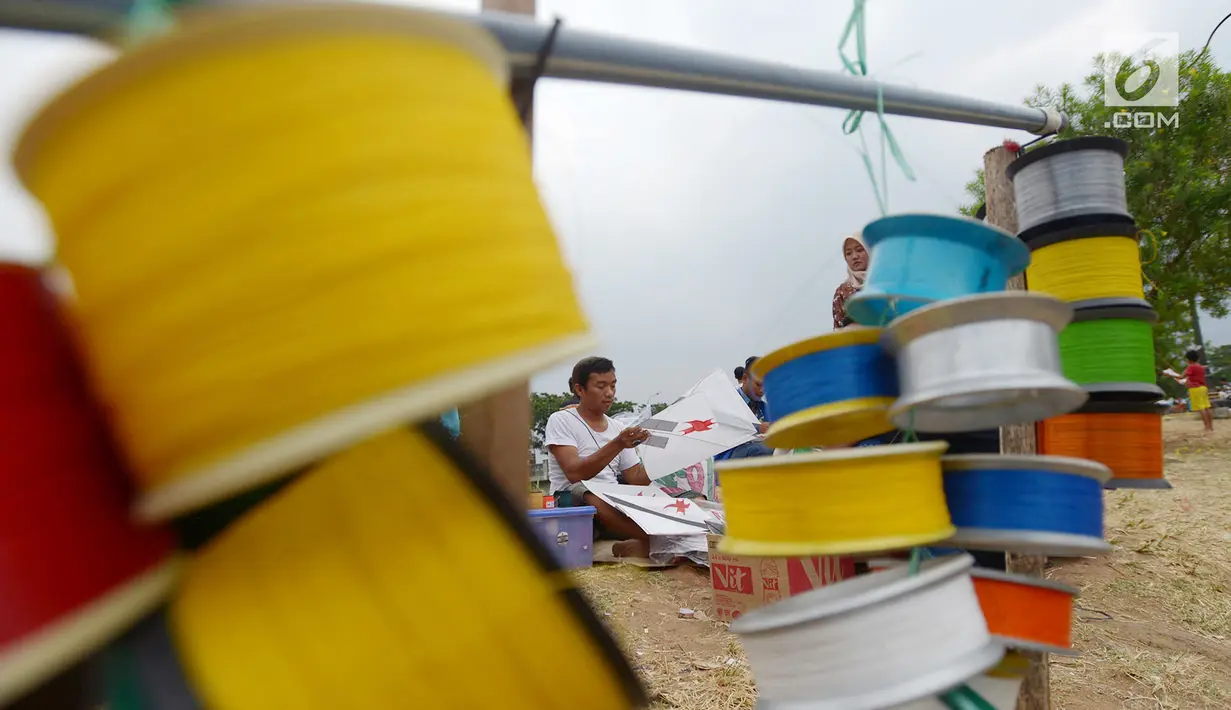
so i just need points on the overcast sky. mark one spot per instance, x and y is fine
(705, 229)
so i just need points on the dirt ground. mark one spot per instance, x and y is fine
(1153, 621)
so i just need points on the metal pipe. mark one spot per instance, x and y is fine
(589, 56)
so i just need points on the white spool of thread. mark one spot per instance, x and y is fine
(1070, 179)
(981, 361)
(871, 642)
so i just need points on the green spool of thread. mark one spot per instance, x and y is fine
(1108, 350)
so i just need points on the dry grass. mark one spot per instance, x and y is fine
(1153, 621)
(686, 663)
(1154, 618)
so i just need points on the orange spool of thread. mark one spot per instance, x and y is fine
(1026, 613)
(1127, 437)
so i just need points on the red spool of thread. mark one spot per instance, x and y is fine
(74, 571)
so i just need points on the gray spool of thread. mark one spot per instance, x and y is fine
(1070, 179)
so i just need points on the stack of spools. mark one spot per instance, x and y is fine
(1073, 212)
(293, 233)
(944, 349)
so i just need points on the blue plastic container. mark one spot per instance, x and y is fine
(568, 532)
(917, 259)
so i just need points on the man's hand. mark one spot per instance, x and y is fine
(762, 427)
(632, 436)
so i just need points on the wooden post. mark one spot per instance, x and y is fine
(497, 428)
(1019, 438)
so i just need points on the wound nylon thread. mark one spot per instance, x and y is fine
(344, 590)
(1024, 612)
(1084, 269)
(74, 569)
(373, 204)
(844, 502)
(1016, 499)
(1108, 350)
(1070, 184)
(829, 376)
(1131, 445)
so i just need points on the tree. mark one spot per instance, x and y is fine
(975, 189)
(542, 406)
(1178, 190)
(1219, 359)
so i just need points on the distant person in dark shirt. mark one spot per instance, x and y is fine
(752, 390)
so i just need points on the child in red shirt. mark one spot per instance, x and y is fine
(1198, 396)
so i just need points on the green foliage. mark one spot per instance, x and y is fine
(1178, 190)
(974, 189)
(1219, 363)
(543, 405)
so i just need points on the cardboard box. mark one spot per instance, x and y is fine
(742, 582)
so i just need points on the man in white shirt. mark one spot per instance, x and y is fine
(587, 445)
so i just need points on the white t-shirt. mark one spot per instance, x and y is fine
(567, 428)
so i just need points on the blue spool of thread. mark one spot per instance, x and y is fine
(829, 390)
(1040, 505)
(917, 259)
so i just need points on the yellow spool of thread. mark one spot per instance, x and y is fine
(350, 588)
(1084, 267)
(848, 501)
(290, 228)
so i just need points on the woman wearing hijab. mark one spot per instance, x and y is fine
(856, 255)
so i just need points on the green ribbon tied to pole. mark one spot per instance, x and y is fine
(854, 119)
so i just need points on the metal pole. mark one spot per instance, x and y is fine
(589, 56)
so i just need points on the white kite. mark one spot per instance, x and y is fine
(707, 420)
(677, 527)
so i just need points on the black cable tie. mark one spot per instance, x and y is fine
(540, 67)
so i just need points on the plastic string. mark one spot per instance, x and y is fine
(1153, 241)
(916, 558)
(1130, 444)
(1025, 614)
(1069, 184)
(364, 195)
(1017, 499)
(800, 652)
(1083, 269)
(1109, 350)
(74, 571)
(965, 698)
(843, 502)
(854, 119)
(347, 589)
